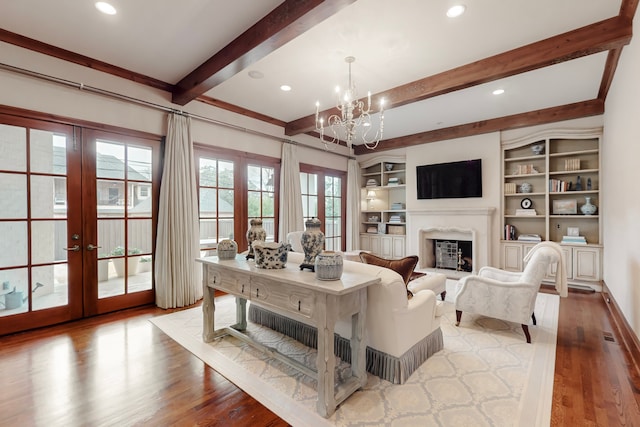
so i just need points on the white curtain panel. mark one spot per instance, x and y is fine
(178, 276)
(291, 216)
(353, 205)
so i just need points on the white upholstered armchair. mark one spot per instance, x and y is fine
(506, 295)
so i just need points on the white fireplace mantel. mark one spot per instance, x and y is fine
(474, 223)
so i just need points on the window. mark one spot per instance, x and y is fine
(325, 202)
(261, 197)
(233, 188)
(216, 196)
(333, 213)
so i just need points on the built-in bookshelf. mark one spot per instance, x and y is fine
(548, 178)
(383, 207)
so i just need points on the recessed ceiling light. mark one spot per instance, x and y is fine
(285, 88)
(455, 11)
(255, 74)
(498, 92)
(105, 8)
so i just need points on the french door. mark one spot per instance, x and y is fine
(72, 202)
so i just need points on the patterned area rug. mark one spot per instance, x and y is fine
(486, 375)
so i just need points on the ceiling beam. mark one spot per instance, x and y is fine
(593, 107)
(283, 24)
(85, 61)
(609, 70)
(598, 37)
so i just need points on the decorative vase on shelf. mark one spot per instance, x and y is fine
(328, 265)
(588, 208)
(255, 232)
(312, 241)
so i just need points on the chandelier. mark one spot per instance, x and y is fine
(353, 117)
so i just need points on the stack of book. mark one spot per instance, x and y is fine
(397, 219)
(525, 212)
(393, 181)
(574, 240)
(529, 238)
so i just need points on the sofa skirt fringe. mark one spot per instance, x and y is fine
(396, 370)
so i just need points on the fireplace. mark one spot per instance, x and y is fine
(450, 249)
(471, 228)
(452, 254)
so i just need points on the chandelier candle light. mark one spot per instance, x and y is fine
(353, 115)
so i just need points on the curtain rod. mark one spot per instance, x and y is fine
(107, 93)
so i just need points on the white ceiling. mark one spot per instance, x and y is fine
(394, 42)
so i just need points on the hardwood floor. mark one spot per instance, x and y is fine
(119, 369)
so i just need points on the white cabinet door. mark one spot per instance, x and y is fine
(386, 247)
(512, 256)
(365, 242)
(586, 264)
(375, 245)
(398, 247)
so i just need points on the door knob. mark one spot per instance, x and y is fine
(91, 247)
(74, 248)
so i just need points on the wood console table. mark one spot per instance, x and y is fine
(298, 295)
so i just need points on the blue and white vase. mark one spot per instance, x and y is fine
(328, 265)
(312, 242)
(588, 208)
(255, 232)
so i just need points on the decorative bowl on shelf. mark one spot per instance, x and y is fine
(372, 182)
(525, 187)
(537, 149)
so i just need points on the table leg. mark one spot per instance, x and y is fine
(326, 361)
(208, 307)
(358, 344)
(241, 314)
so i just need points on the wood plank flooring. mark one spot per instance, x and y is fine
(119, 369)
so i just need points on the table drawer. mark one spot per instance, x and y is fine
(270, 293)
(229, 281)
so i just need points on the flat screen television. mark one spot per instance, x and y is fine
(450, 180)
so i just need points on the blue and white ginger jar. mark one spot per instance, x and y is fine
(312, 240)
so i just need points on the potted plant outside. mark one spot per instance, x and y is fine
(145, 264)
(132, 261)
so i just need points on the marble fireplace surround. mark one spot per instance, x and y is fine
(471, 224)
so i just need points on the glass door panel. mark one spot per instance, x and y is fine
(34, 224)
(125, 204)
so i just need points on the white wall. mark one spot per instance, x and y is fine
(619, 195)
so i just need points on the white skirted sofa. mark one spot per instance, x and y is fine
(401, 333)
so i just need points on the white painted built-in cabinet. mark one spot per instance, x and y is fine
(541, 196)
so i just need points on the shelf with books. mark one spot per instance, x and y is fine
(565, 170)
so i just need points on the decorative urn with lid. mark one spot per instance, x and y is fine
(312, 241)
(255, 232)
